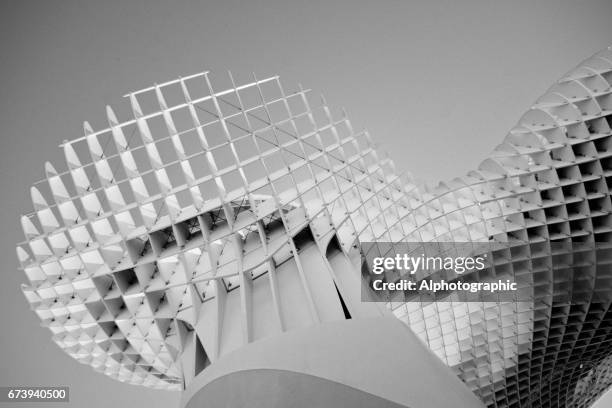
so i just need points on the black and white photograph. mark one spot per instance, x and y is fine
(324, 204)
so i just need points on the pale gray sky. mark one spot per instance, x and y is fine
(438, 83)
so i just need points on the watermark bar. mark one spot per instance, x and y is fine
(552, 272)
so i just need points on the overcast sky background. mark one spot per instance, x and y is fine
(437, 83)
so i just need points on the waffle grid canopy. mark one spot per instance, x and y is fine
(214, 218)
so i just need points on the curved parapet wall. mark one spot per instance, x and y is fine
(213, 220)
(354, 363)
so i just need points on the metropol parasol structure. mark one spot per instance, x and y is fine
(210, 244)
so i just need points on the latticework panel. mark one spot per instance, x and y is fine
(548, 183)
(168, 223)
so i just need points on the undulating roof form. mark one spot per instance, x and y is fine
(215, 218)
(546, 188)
